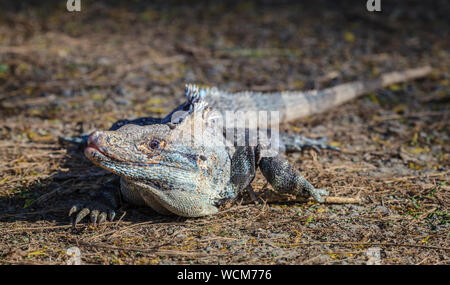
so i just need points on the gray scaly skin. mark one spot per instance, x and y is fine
(187, 175)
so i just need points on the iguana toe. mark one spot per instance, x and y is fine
(80, 215)
(319, 194)
(111, 215)
(101, 218)
(98, 213)
(94, 216)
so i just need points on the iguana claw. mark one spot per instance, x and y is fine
(100, 210)
(319, 194)
(98, 214)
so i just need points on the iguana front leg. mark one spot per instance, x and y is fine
(278, 172)
(286, 179)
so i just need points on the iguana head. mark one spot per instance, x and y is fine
(184, 165)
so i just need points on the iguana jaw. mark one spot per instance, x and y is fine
(100, 158)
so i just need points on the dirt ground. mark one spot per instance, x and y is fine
(64, 74)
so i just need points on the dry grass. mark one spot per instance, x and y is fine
(67, 73)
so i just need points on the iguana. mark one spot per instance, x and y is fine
(164, 164)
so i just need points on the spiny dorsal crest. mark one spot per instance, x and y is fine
(196, 96)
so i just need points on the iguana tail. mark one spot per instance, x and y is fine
(302, 104)
(293, 105)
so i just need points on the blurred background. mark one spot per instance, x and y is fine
(155, 47)
(67, 73)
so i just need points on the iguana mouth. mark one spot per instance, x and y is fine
(94, 147)
(93, 152)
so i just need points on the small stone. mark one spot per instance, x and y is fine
(122, 101)
(382, 210)
(67, 92)
(166, 262)
(277, 235)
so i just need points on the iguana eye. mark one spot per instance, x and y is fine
(154, 143)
